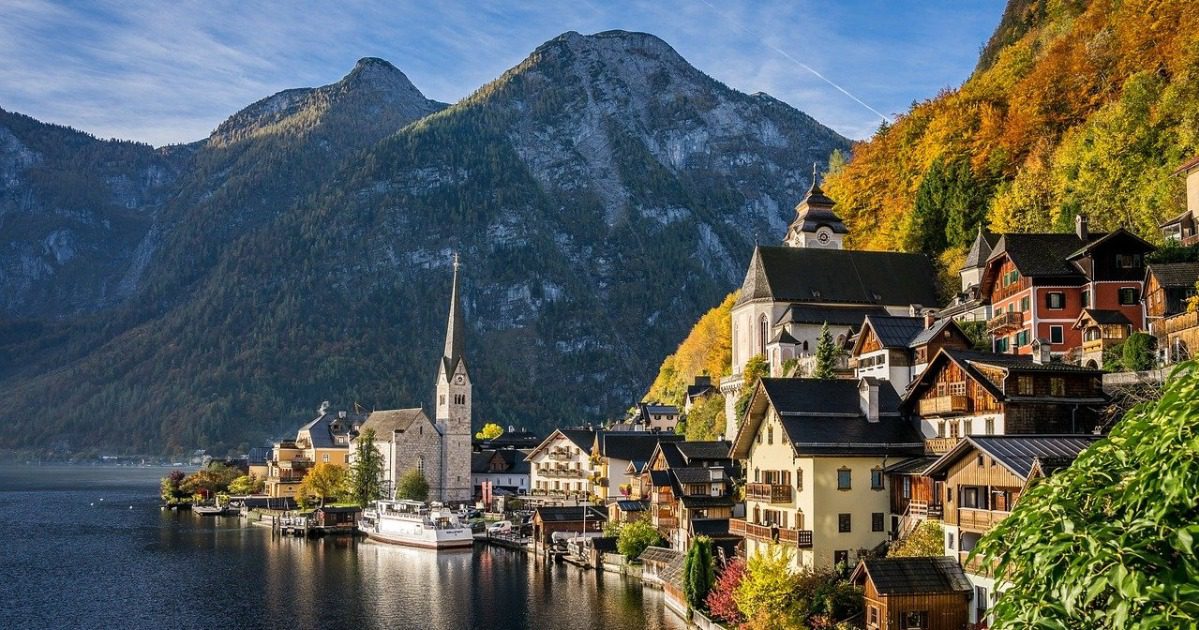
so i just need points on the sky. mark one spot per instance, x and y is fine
(165, 73)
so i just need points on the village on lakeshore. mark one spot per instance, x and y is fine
(871, 438)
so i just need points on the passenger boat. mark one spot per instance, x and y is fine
(214, 510)
(413, 523)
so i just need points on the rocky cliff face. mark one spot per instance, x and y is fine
(602, 194)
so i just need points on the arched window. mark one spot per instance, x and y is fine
(763, 330)
(420, 464)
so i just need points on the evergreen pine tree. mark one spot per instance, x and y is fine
(826, 355)
(366, 474)
(699, 572)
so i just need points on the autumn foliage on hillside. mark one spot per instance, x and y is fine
(1081, 107)
(706, 350)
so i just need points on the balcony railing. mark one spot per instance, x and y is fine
(979, 520)
(943, 405)
(980, 565)
(561, 472)
(940, 445)
(668, 521)
(1176, 323)
(801, 538)
(560, 455)
(1005, 322)
(771, 492)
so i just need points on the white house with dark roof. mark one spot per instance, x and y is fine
(561, 468)
(814, 454)
(789, 292)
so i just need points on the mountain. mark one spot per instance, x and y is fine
(602, 194)
(1075, 107)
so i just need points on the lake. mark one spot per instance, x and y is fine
(88, 547)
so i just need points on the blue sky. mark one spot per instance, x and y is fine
(163, 72)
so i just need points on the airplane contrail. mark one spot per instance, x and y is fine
(762, 40)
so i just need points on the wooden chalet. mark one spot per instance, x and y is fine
(983, 479)
(897, 349)
(908, 593)
(1168, 287)
(575, 519)
(686, 481)
(1101, 330)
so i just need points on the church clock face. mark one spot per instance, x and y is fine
(459, 380)
(823, 237)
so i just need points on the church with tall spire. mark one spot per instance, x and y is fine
(439, 448)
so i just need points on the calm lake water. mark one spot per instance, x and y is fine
(87, 547)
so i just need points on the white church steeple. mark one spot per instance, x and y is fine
(815, 224)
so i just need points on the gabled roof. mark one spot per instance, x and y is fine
(696, 474)
(968, 360)
(321, 431)
(980, 249)
(1187, 165)
(632, 445)
(694, 501)
(1093, 244)
(782, 336)
(389, 421)
(839, 276)
(832, 315)
(913, 576)
(926, 335)
(825, 418)
(1041, 255)
(1101, 317)
(710, 527)
(625, 505)
(892, 331)
(701, 451)
(1174, 275)
(582, 438)
(816, 210)
(480, 462)
(1017, 453)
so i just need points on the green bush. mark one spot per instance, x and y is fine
(1139, 352)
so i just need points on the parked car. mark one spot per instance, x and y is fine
(500, 527)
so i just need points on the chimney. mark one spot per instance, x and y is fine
(868, 398)
(929, 319)
(1080, 226)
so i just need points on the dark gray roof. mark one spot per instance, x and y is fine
(1018, 452)
(694, 474)
(1094, 243)
(914, 466)
(815, 210)
(661, 555)
(632, 445)
(1039, 255)
(1017, 362)
(702, 501)
(839, 276)
(895, 332)
(910, 576)
(511, 439)
(822, 435)
(455, 334)
(699, 451)
(321, 429)
(632, 506)
(480, 462)
(659, 478)
(832, 315)
(582, 438)
(569, 514)
(1175, 275)
(980, 249)
(928, 334)
(1114, 318)
(793, 396)
(782, 336)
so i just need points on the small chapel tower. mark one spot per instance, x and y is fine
(453, 418)
(815, 224)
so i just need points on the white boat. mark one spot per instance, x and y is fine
(413, 523)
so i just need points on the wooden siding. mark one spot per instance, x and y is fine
(946, 611)
(951, 380)
(989, 475)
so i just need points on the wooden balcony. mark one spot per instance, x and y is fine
(669, 522)
(980, 565)
(801, 538)
(770, 492)
(944, 405)
(979, 520)
(922, 509)
(1176, 323)
(940, 445)
(1005, 322)
(1097, 346)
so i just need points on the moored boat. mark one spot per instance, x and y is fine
(413, 523)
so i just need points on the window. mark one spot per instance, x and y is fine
(1001, 344)
(1086, 298)
(770, 434)
(876, 522)
(799, 479)
(968, 427)
(1024, 385)
(325, 458)
(844, 479)
(876, 479)
(843, 523)
(1022, 338)
(915, 619)
(1128, 261)
(907, 487)
(980, 460)
(990, 426)
(1025, 304)
(1128, 296)
(1055, 300)
(941, 429)
(841, 556)
(874, 616)
(980, 601)
(949, 540)
(763, 330)
(1057, 386)
(757, 475)
(1056, 334)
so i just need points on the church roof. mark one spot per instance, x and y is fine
(839, 276)
(389, 421)
(980, 250)
(816, 210)
(455, 333)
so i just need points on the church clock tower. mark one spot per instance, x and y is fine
(453, 417)
(815, 224)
